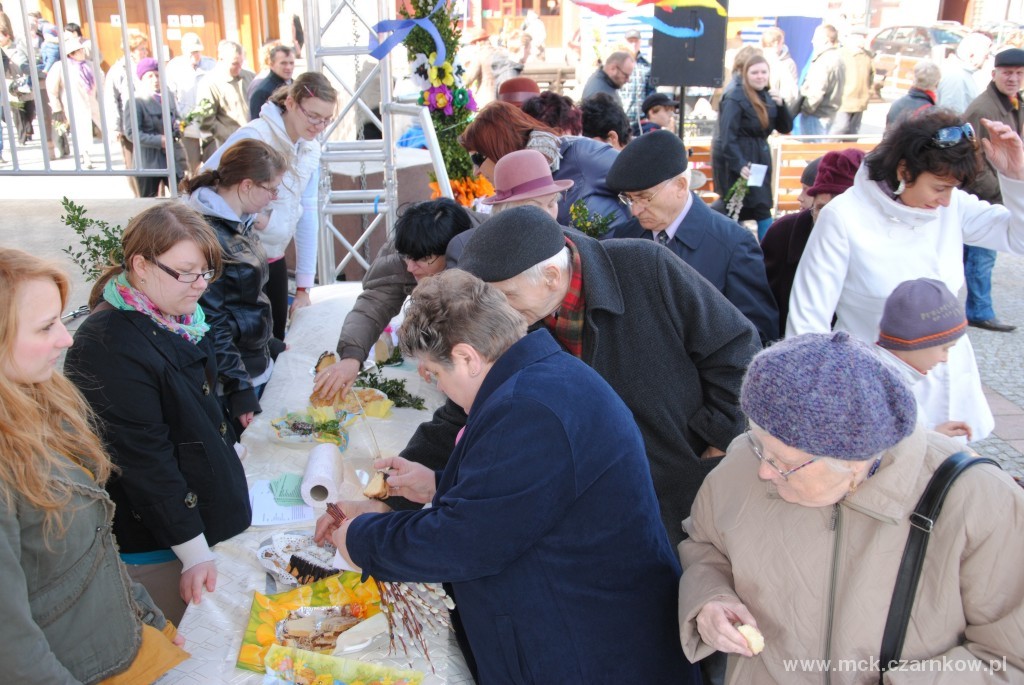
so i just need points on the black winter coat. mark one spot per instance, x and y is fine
(914, 102)
(238, 311)
(741, 140)
(165, 429)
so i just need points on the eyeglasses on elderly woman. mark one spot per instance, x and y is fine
(758, 449)
(951, 135)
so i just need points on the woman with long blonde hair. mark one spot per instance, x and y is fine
(58, 559)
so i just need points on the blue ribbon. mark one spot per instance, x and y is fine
(400, 28)
(674, 31)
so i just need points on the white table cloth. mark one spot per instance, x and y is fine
(214, 628)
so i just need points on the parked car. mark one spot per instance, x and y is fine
(899, 48)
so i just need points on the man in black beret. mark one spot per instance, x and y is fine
(1000, 101)
(670, 345)
(651, 177)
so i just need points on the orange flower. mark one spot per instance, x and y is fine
(465, 190)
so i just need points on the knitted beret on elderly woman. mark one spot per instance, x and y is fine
(828, 395)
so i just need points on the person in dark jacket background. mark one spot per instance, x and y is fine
(153, 143)
(1000, 101)
(784, 243)
(921, 95)
(547, 586)
(237, 310)
(652, 178)
(146, 365)
(746, 117)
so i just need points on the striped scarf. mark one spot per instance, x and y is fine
(121, 295)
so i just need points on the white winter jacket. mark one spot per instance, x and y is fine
(294, 212)
(864, 244)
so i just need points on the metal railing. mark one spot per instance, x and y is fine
(79, 147)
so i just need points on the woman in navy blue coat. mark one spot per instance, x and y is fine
(748, 114)
(544, 522)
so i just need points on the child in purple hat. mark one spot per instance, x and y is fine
(921, 323)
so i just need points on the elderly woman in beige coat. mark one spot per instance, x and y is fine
(800, 530)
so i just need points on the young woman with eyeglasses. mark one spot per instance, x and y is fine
(303, 110)
(904, 218)
(238, 311)
(146, 362)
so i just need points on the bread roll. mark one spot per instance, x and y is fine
(378, 486)
(753, 636)
(326, 360)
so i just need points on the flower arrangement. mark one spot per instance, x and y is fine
(203, 109)
(735, 197)
(590, 223)
(443, 92)
(467, 189)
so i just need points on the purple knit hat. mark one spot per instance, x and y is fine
(145, 66)
(921, 313)
(828, 395)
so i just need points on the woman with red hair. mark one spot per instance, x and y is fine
(501, 128)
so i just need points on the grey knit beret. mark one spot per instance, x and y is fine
(919, 314)
(828, 395)
(511, 242)
(647, 161)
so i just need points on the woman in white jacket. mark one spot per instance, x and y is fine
(290, 122)
(906, 218)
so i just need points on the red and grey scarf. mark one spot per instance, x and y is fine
(566, 324)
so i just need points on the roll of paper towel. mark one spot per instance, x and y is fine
(324, 475)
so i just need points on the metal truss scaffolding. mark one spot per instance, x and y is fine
(346, 65)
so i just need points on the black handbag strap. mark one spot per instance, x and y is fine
(921, 523)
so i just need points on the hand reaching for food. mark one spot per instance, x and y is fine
(335, 380)
(415, 482)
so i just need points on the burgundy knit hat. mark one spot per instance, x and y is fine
(836, 172)
(921, 313)
(518, 90)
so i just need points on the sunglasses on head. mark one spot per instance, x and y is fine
(477, 158)
(951, 135)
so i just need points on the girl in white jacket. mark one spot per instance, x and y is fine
(290, 122)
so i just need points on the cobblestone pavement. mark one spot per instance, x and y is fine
(1001, 361)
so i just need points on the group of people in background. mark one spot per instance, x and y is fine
(210, 97)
